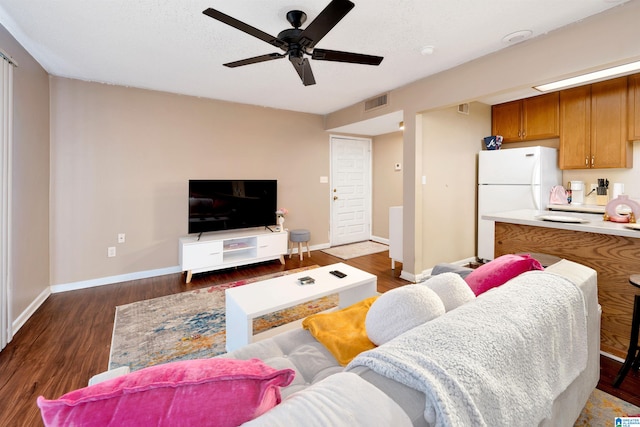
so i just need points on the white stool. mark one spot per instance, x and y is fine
(299, 236)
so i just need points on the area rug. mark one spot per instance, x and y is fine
(602, 409)
(355, 250)
(189, 325)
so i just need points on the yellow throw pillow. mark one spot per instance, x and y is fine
(342, 332)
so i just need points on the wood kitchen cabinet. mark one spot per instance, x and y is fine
(593, 126)
(633, 106)
(527, 119)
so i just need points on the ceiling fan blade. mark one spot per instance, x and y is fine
(338, 56)
(252, 31)
(254, 60)
(328, 18)
(303, 68)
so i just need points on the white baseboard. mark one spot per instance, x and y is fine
(319, 247)
(380, 240)
(413, 278)
(611, 356)
(113, 279)
(28, 312)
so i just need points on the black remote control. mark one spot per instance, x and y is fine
(337, 273)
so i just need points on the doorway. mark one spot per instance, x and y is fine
(350, 190)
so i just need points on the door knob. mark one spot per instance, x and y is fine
(335, 197)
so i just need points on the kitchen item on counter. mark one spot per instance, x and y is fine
(509, 179)
(577, 192)
(560, 218)
(602, 192)
(559, 196)
(611, 212)
(618, 189)
(602, 199)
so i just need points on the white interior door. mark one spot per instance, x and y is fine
(350, 190)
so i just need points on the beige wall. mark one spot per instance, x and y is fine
(121, 159)
(30, 179)
(583, 46)
(451, 142)
(387, 182)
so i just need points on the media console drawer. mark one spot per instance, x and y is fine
(201, 254)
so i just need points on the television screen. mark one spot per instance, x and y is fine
(216, 205)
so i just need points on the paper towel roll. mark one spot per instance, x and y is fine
(618, 189)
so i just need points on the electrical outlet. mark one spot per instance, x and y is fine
(111, 251)
(121, 238)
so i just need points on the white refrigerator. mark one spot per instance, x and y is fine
(510, 179)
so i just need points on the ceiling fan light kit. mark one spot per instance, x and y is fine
(297, 42)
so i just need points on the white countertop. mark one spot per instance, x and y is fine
(595, 222)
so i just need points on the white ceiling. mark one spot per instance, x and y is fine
(171, 46)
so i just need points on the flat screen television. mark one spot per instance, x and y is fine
(216, 205)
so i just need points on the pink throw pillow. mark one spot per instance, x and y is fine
(500, 271)
(202, 392)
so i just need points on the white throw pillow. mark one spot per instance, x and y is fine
(401, 309)
(451, 288)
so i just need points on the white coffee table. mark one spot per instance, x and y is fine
(245, 303)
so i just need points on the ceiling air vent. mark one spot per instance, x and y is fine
(377, 102)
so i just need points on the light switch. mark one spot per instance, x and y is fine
(324, 179)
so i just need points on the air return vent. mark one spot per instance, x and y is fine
(463, 108)
(377, 102)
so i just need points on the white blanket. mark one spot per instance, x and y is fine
(499, 360)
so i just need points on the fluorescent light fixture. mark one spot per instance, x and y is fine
(584, 78)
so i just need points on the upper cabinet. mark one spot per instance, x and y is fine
(575, 128)
(527, 119)
(633, 115)
(593, 126)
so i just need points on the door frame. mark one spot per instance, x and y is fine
(333, 170)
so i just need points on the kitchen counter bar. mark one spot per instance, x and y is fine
(609, 248)
(595, 225)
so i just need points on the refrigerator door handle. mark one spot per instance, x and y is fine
(535, 171)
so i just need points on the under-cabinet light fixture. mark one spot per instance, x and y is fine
(584, 78)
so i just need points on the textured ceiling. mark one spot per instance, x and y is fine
(169, 45)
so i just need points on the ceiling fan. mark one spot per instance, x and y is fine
(297, 42)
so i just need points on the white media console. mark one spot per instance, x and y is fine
(216, 251)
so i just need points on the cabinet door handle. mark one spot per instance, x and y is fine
(593, 161)
(586, 161)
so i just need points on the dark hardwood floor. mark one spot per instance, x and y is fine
(67, 340)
